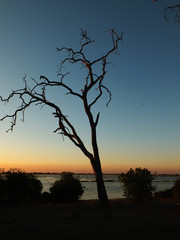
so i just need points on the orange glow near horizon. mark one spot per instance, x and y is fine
(85, 168)
(64, 158)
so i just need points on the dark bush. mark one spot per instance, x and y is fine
(21, 186)
(67, 189)
(173, 192)
(137, 184)
(164, 194)
(45, 197)
(176, 189)
(2, 187)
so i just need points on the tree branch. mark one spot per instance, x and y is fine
(60, 84)
(115, 40)
(175, 9)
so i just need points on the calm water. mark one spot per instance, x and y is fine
(112, 184)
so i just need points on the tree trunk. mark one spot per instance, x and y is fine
(94, 158)
(101, 190)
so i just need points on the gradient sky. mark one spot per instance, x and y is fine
(141, 126)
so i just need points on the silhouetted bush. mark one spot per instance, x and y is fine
(67, 189)
(21, 186)
(176, 189)
(137, 184)
(171, 193)
(164, 194)
(2, 187)
(45, 197)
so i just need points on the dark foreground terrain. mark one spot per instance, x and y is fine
(84, 220)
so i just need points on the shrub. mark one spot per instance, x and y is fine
(164, 194)
(176, 189)
(45, 197)
(173, 192)
(137, 184)
(21, 186)
(2, 187)
(67, 189)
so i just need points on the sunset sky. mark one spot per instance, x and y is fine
(141, 126)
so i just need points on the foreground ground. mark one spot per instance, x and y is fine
(84, 220)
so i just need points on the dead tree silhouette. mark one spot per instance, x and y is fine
(36, 95)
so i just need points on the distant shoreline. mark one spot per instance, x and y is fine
(115, 174)
(161, 174)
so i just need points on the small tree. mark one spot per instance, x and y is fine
(137, 184)
(95, 74)
(67, 189)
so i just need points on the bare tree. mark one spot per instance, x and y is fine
(36, 95)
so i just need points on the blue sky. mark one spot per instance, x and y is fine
(141, 126)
